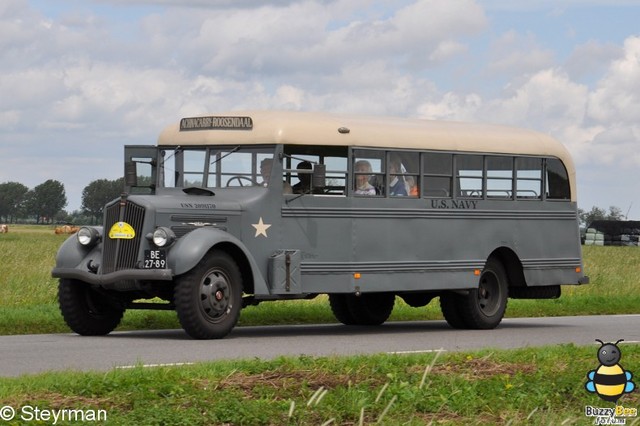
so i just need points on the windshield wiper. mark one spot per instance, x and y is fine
(224, 156)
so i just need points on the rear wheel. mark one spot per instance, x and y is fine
(340, 308)
(208, 298)
(86, 311)
(371, 308)
(450, 304)
(484, 307)
(365, 309)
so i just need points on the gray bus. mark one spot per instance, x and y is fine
(234, 209)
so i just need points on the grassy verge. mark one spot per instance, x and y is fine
(526, 386)
(28, 293)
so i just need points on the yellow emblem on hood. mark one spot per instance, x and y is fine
(122, 231)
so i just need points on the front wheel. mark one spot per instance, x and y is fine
(208, 298)
(86, 311)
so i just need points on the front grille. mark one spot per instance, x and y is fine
(121, 254)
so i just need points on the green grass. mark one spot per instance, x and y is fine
(524, 386)
(28, 301)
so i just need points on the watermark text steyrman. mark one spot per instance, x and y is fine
(29, 413)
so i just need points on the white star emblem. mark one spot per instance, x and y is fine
(261, 228)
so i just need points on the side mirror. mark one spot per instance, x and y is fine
(319, 176)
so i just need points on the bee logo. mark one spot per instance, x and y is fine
(609, 381)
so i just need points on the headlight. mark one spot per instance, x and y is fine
(163, 237)
(88, 236)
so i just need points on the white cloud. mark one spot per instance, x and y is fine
(79, 84)
(516, 54)
(617, 98)
(591, 59)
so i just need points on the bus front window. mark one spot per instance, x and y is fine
(216, 167)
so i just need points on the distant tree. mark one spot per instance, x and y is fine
(46, 200)
(12, 198)
(597, 213)
(78, 217)
(615, 213)
(98, 193)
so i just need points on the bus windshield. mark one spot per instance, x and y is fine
(216, 166)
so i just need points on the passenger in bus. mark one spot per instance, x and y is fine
(412, 185)
(363, 187)
(397, 186)
(304, 186)
(265, 171)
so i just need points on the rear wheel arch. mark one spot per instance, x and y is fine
(511, 264)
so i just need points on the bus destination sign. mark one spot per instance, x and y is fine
(216, 123)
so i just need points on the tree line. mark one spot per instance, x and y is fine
(45, 203)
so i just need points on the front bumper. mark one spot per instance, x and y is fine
(114, 277)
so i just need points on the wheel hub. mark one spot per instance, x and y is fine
(215, 293)
(489, 294)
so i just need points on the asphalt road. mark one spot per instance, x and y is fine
(44, 352)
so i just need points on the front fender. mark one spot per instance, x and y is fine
(71, 253)
(191, 248)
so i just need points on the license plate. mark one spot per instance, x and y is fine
(155, 259)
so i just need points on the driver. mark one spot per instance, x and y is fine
(265, 171)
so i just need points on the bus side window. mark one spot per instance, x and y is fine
(438, 175)
(402, 168)
(499, 177)
(557, 180)
(469, 176)
(529, 178)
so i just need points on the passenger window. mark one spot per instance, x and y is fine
(336, 174)
(438, 175)
(557, 180)
(368, 173)
(400, 180)
(469, 174)
(300, 162)
(528, 178)
(499, 177)
(404, 176)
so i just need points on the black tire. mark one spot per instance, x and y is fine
(86, 311)
(340, 309)
(484, 307)
(450, 304)
(371, 308)
(208, 298)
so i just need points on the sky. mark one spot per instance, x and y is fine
(79, 79)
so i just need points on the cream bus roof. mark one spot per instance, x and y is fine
(309, 128)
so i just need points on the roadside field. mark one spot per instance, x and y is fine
(28, 301)
(540, 386)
